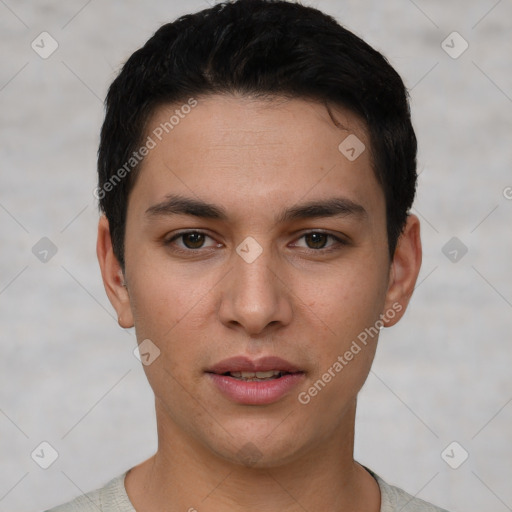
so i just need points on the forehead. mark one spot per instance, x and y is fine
(253, 151)
(244, 121)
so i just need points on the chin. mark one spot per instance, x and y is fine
(259, 448)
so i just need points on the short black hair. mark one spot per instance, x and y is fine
(261, 48)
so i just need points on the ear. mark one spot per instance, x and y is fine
(112, 275)
(404, 271)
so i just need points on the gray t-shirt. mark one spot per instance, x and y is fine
(113, 498)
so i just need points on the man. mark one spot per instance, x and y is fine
(256, 168)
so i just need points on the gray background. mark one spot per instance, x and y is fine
(67, 372)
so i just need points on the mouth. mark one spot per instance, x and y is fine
(257, 376)
(255, 382)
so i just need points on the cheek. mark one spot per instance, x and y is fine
(346, 299)
(171, 307)
(342, 312)
(159, 303)
(166, 311)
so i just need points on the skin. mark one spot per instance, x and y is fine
(298, 301)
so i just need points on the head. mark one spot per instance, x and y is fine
(235, 122)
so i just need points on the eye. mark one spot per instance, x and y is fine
(194, 240)
(317, 240)
(190, 240)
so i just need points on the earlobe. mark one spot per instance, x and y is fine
(112, 275)
(404, 271)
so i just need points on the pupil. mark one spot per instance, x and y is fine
(195, 240)
(319, 239)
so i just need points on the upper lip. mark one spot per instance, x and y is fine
(245, 364)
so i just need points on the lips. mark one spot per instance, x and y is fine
(244, 364)
(255, 382)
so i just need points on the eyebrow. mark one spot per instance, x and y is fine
(331, 207)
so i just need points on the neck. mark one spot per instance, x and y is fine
(186, 475)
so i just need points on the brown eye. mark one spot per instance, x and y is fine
(316, 240)
(193, 240)
(189, 242)
(320, 242)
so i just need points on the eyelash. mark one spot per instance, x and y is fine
(339, 242)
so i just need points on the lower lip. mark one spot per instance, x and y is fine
(256, 393)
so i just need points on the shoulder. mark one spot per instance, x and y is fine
(394, 499)
(110, 498)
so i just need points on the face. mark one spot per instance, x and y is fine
(251, 235)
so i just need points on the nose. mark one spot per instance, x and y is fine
(255, 296)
